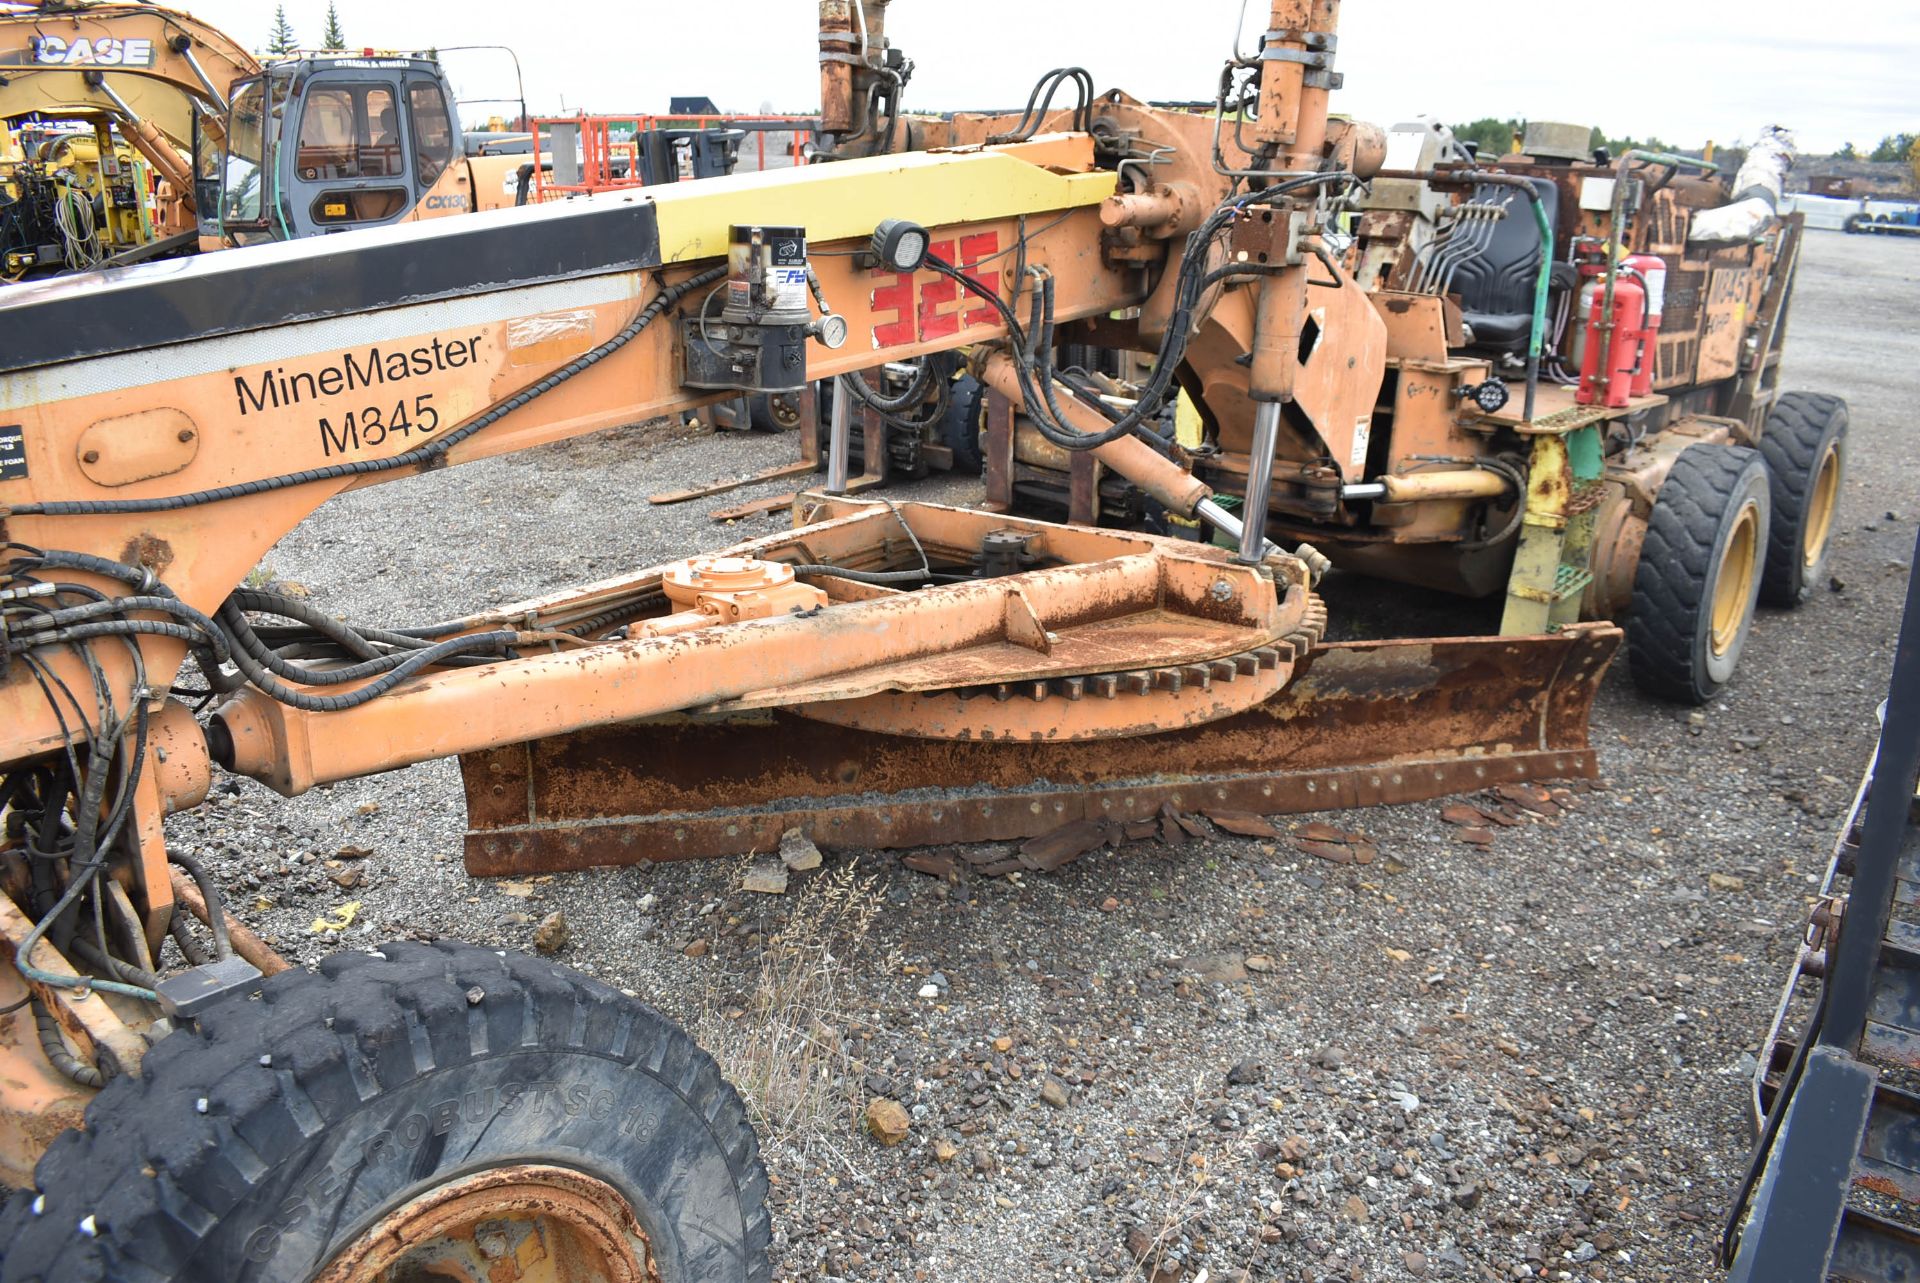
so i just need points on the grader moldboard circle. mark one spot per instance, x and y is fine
(1294, 345)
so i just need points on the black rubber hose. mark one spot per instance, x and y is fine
(1173, 342)
(111, 608)
(90, 953)
(916, 389)
(359, 642)
(235, 622)
(209, 892)
(1042, 97)
(55, 1048)
(419, 455)
(865, 576)
(412, 663)
(272, 603)
(189, 947)
(107, 628)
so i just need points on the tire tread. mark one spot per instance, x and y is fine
(149, 1166)
(1676, 563)
(1791, 443)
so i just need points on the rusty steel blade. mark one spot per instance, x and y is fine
(1361, 723)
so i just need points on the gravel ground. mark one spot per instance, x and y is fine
(1523, 1060)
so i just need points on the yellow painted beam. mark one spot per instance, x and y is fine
(847, 198)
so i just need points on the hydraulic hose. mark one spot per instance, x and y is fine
(1037, 396)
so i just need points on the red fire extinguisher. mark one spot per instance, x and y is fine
(1612, 348)
(1653, 270)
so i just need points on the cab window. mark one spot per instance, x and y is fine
(432, 130)
(350, 131)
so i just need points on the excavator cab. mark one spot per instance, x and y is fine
(317, 146)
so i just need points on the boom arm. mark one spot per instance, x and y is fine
(150, 69)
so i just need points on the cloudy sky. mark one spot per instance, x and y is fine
(1687, 70)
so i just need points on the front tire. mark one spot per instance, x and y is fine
(1699, 573)
(1805, 446)
(395, 1115)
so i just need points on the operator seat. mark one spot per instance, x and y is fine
(1496, 287)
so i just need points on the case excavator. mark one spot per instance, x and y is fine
(230, 151)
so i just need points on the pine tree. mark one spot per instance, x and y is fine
(333, 38)
(281, 39)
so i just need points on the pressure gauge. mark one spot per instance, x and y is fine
(831, 330)
(899, 245)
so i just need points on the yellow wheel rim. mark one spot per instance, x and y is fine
(1820, 508)
(1733, 583)
(530, 1223)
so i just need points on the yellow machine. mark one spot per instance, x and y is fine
(99, 210)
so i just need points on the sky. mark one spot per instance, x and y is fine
(1684, 70)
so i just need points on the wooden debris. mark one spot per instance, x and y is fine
(939, 866)
(1337, 845)
(753, 508)
(1065, 844)
(1243, 824)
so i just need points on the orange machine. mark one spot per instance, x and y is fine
(883, 673)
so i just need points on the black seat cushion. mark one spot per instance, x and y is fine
(1496, 286)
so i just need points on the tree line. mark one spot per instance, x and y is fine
(1495, 138)
(281, 38)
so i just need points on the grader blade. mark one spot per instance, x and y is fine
(1359, 723)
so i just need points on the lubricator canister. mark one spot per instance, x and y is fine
(766, 272)
(758, 341)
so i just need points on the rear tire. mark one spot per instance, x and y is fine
(1699, 573)
(961, 426)
(268, 1139)
(1855, 224)
(773, 411)
(1805, 446)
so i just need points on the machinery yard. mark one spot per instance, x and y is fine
(1457, 1061)
(1185, 689)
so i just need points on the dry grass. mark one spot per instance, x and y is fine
(787, 1049)
(1191, 1181)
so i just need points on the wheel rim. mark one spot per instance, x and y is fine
(524, 1224)
(1733, 585)
(1820, 508)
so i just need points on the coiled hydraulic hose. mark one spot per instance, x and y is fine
(1032, 357)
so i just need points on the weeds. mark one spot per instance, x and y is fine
(788, 1048)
